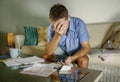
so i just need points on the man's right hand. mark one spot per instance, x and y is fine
(49, 58)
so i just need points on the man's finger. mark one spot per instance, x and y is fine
(62, 63)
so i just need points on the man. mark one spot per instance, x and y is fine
(69, 35)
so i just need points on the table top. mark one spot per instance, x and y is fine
(90, 75)
(10, 74)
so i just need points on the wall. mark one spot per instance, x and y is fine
(14, 14)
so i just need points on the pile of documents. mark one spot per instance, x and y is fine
(19, 61)
(33, 66)
(39, 69)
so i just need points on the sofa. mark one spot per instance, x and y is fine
(97, 31)
(100, 33)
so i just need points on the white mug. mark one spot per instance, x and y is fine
(14, 52)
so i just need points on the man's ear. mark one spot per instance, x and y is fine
(68, 18)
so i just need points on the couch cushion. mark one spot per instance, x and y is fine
(31, 35)
(114, 40)
(33, 50)
(19, 41)
(42, 36)
(97, 33)
(113, 60)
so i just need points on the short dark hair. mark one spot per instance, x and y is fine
(58, 11)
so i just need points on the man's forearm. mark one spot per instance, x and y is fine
(80, 53)
(50, 48)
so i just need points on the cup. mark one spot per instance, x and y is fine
(14, 52)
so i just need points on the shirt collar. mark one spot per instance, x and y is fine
(71, 27)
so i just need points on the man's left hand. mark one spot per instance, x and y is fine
(68, 60)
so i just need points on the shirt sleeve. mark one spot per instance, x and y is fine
(82, 32)
(50, 33)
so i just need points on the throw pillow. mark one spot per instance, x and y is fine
(114, 41)
(19, 41)
(42, 36)
(31, 35)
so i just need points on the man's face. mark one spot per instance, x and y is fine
(61, 23)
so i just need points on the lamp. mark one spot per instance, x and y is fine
(10, 39)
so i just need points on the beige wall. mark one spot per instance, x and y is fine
(14, 14)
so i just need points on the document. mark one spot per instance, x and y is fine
(19, 61)
(39, 69)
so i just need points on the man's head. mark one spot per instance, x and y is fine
(57, 12)
(59, 18)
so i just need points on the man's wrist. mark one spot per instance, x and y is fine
(57, 34)
(71, 57)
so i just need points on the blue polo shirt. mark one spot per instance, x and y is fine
(76, 34)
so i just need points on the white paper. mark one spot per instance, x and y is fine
(19, 61)
(39, 70)
(109, 53)
(66, 69)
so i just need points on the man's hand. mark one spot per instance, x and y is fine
(49, 58)
(60, 27)
(68, 60)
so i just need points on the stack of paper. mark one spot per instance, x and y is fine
(19, 61)
(39, 69)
